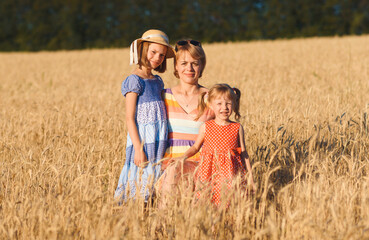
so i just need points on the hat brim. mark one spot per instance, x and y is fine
(170, 50)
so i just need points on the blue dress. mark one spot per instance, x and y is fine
(151, 121)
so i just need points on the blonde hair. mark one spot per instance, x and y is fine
(197, 52)
(222, 89)
(142, 58)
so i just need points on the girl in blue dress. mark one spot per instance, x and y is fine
(146, 118)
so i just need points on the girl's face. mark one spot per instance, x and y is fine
(188, 68)
(156, 54)
(222, 107)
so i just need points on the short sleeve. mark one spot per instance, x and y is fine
(132, 84)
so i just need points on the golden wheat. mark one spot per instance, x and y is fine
(305, 111)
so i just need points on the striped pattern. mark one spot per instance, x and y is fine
(182, 128)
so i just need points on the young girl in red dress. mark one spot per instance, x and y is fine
(223, 153)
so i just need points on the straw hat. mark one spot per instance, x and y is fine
(154, 36)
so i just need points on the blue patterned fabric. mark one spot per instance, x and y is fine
(151, 121)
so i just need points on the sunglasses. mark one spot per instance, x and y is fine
(185, 42)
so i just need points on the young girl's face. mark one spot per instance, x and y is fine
(222, 107)
(156, 54)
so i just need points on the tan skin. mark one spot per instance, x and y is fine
(156, 55)
(222, 108)
(188, 90)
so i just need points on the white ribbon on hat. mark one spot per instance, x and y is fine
(133, 55)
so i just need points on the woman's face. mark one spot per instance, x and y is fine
(156, 54)
(188, 68)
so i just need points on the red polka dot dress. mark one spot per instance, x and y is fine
(220, 160)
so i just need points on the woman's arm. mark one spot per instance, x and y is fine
(196, 146)
(245, 157)
(140, 156)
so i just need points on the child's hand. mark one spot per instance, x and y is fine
(180, 159)
(166, 162)
(170, 161)
(140, 158)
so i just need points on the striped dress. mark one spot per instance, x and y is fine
(182, 134)
(182, 128)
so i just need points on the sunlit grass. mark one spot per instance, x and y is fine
(305, 110)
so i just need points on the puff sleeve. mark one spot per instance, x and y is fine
(161, 81)
(132, 84)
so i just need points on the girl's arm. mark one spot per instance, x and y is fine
(196, 146)
(245, 157)
(131, 100)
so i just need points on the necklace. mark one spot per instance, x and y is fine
(187, 103)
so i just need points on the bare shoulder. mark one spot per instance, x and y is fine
(137, 72)
(203, 89)
(175, 89)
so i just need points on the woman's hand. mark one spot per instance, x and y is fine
(140, 158)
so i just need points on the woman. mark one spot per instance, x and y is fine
(181, 102)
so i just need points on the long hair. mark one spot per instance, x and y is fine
(142, 58)
(222, 89)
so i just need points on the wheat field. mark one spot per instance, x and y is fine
(305, 106)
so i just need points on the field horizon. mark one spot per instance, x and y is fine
(304, 107)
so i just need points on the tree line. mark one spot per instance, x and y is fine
(32, 25)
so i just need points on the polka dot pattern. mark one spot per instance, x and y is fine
(220, 161)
